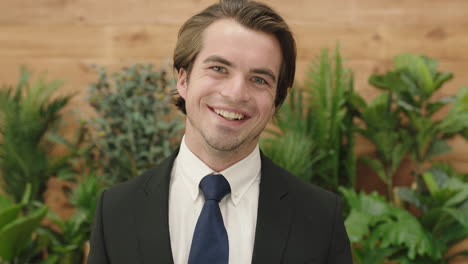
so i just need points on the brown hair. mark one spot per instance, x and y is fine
(251, 14)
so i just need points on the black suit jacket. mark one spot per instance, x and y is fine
(296, 222)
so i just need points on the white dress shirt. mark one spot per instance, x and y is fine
(239, 208)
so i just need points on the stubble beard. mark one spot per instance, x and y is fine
(226, 145)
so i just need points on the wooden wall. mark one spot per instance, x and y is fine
(65, 37)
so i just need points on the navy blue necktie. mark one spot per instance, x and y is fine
(210, 244)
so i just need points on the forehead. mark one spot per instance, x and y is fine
(241, 45)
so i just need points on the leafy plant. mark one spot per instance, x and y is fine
(382, 125)
(16, 230)
(382, 232)
(28, 113)
(401, 121)
(442, 199)
(66, 245)
(316, 133)
(135, 126)
(414, 82)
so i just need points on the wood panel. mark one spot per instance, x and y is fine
(98, 12)
(404, 12)
(338, 12)
(385, 41)
(153, 41)
(78, 41)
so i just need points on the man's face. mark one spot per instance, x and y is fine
(230, 93)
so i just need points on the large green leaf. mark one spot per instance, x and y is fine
(357, 225)
(374, 223)
(456, 120)
(406, 231)
(437, 148)
(5, 202)
(8, 215)
(410, 196)
(15, 235)
(461, 216)
(460, 197)
(436, 106)
(398, 153)
(419, 69)
(430, 182)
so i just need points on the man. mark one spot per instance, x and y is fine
(219, 199)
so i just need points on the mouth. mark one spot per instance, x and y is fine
(229, 115)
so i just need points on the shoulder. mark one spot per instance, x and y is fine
(130, 187)
(308, 196)
(144, 184)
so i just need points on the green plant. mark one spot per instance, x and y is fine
(66, 245)
(16, 230)
(316, 133)
(402, 120)
(28, 113)
(442, 199)
(382, 125)
(135, 128)
(414, 82)
(382, 232)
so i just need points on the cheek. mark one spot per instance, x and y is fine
(266, 104)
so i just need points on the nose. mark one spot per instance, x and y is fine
(236, 90)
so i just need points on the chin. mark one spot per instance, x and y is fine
(221, 144)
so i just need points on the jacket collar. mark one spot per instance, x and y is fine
(151, 214)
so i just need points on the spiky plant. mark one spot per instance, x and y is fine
(316, 134)
(27, 113)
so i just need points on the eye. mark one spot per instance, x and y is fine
(259, 80)
(218, 68)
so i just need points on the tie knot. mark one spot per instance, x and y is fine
(214, 187)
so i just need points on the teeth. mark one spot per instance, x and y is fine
(229, 115)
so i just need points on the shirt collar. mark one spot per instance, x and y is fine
(240, 175)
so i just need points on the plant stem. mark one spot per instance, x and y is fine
(391, 197)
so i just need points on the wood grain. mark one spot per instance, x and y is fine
(338, 12)
(156, 41)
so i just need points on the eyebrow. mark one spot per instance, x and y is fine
(219, 59)
(216, 58)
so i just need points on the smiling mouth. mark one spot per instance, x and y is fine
(229, 115)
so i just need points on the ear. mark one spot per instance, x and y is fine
(182, 82)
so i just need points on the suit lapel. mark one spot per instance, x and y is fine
(274, 215)
(151, 215)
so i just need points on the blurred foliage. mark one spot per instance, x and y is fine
(441, 196)
(66, 245)
(383, 232)
(29, 123)
(136, 127)
(16, 229)
(414, 83)
(315, 140)
(402, 120)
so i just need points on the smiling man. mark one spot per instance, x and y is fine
(218, 199)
